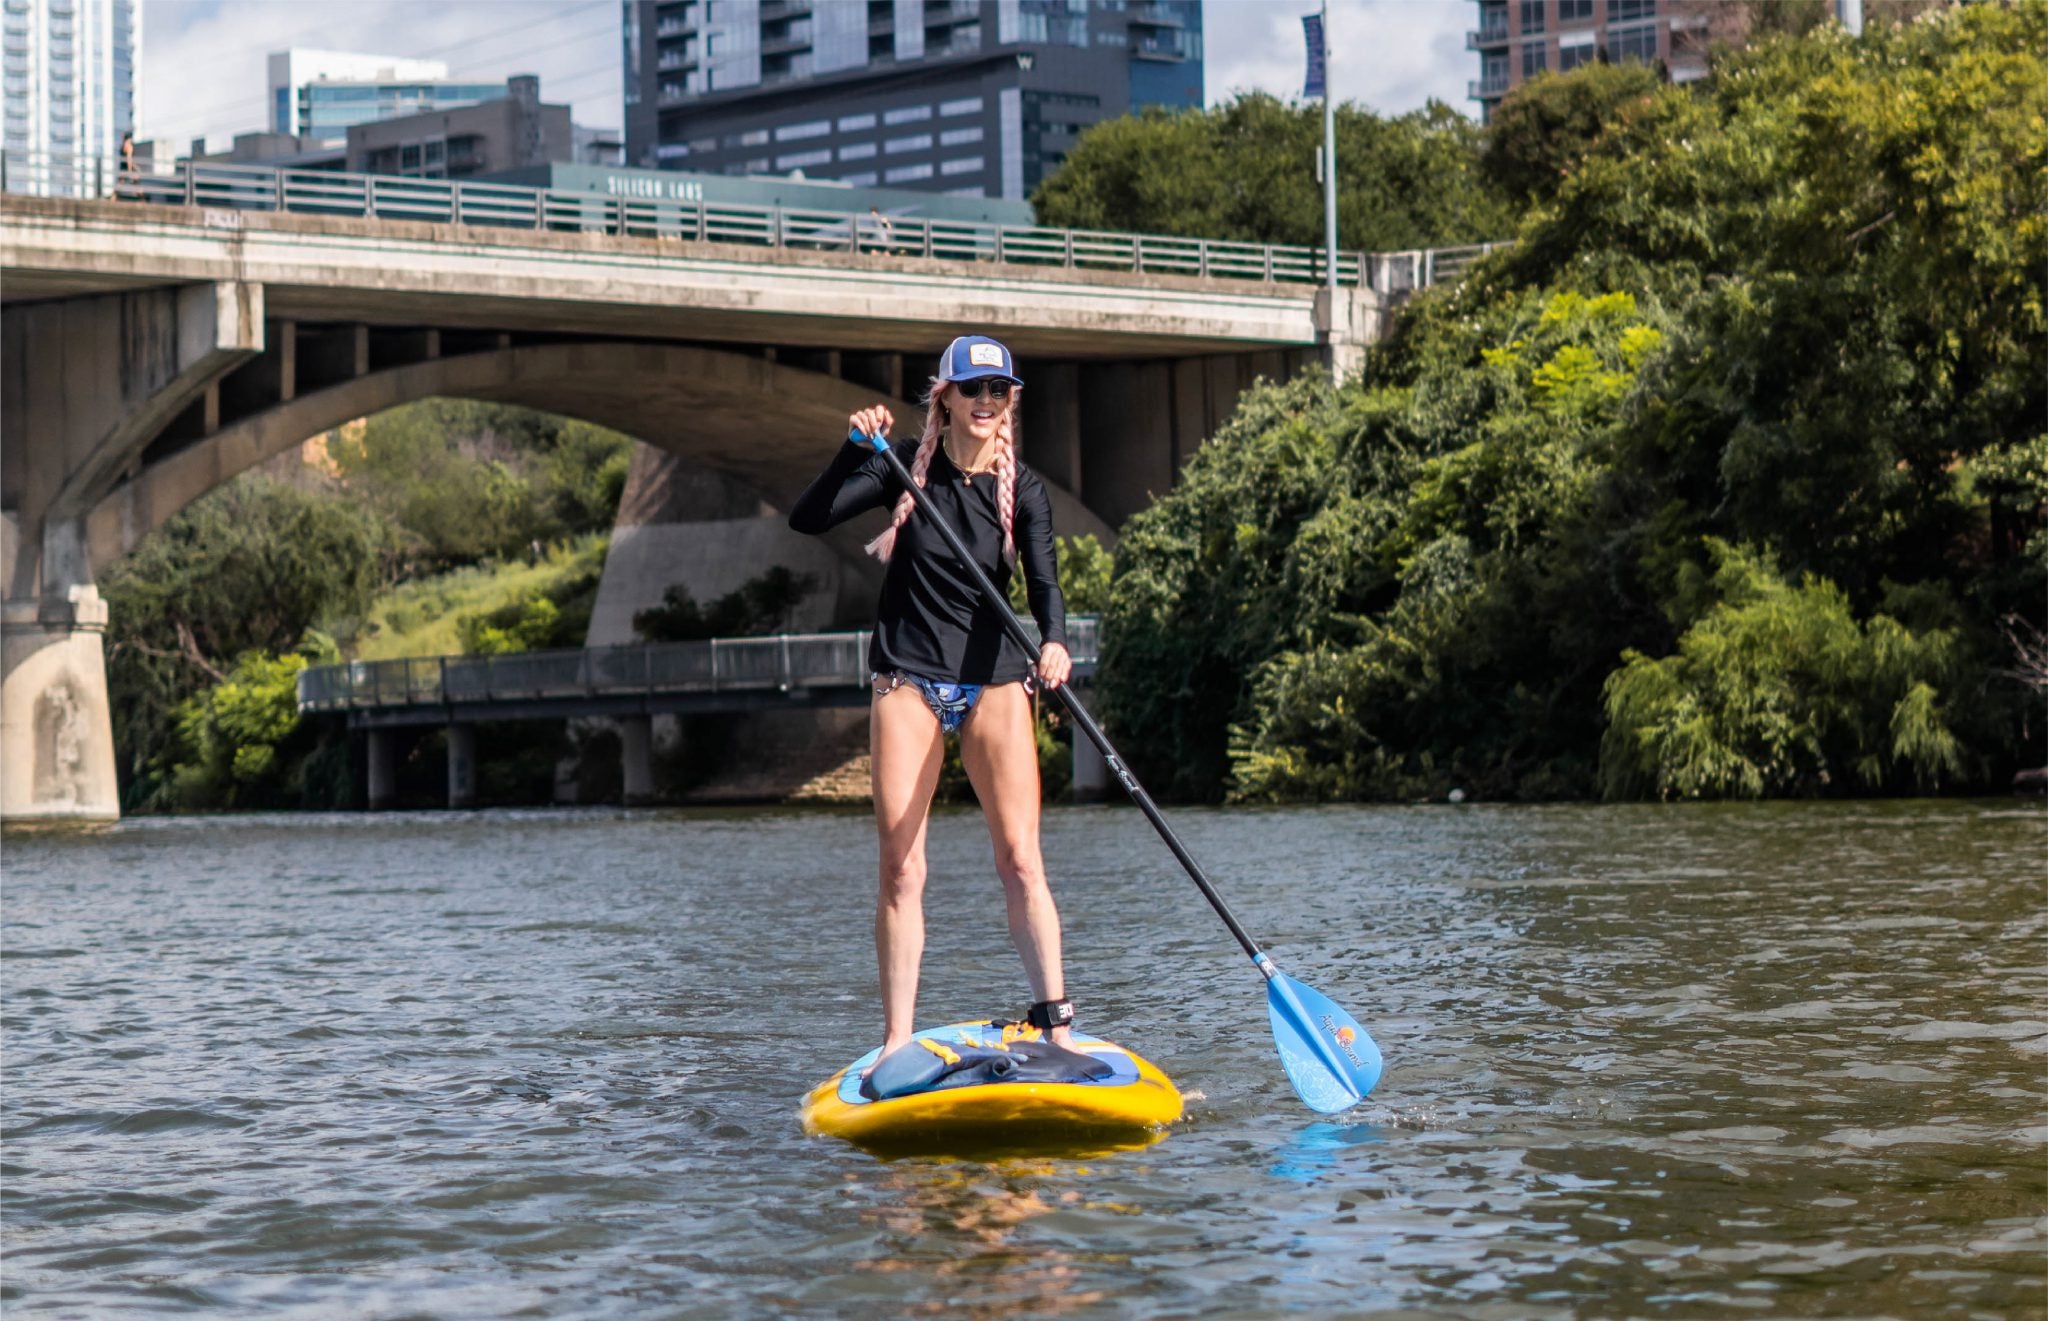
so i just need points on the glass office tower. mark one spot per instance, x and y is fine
(69, 72)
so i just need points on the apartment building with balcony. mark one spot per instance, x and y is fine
(977, 98)
(70, 73)
(1518, 39)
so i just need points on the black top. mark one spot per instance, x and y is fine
(932, 620)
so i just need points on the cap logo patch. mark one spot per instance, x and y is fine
(984, 355)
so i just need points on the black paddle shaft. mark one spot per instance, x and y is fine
(1015, 627)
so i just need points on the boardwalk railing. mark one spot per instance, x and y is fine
(231, 188)
(784, 663)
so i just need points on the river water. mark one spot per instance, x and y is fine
(1725, 1061)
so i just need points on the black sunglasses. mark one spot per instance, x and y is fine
(997, 387)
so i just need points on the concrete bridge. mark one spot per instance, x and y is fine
(157, 343)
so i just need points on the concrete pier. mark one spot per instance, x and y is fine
(1091, 772)
(380, 747)
(636, 759)
(461, 766)
(56, 737)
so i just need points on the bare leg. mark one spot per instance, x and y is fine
(907, 753)
(1001, 756)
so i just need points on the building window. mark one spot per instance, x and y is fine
(976, 191)
(1532, 15)
(1632, 44)
(964, 165)
(1571, 57)
(907, 114)
(865, 179)
(915, 142)
(960, 137)
(1574, 11)
(1533, 61)
(906, 173)
(817, 128)
(1628, 11)
(804, 159)
(970, 105)
(856, 123)
(753, 137)
(857, 151)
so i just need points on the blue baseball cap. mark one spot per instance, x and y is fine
(971, 357)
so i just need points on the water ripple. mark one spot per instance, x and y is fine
(1718, 1061)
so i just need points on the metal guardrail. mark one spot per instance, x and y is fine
(439, 201)
(785, 663)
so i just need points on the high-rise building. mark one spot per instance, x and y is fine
(979, 98)
(1518, 39)
(70, 78)
(319, 94)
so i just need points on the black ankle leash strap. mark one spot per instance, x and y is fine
(1049, 1014)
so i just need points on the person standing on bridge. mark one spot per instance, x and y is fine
(942, 663)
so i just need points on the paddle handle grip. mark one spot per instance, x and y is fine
(1015, 628)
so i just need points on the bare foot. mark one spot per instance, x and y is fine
(1062, 1036)
(888, 1048)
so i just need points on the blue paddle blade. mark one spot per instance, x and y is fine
(1331, 1060)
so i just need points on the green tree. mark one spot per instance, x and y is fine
(1085, 569)
(469, 480)
(1246, 170)
(1795, 309)
(239, 743)
(249, 568)
(1780, 690)
(1543, 129)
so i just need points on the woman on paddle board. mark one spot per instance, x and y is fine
(942, 663)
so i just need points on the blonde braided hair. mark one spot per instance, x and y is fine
(883, 546)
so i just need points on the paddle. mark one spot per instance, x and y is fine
(1330, 1059)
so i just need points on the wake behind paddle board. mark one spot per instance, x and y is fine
(1129, 1103)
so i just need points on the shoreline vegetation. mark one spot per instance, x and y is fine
(1728, 480)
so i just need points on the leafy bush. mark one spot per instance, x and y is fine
(1779, 690)
(468, 481)
(556, 616)
(248, 569)
(1796, 310)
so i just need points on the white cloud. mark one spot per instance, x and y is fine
(204, 65)
(1388, 55)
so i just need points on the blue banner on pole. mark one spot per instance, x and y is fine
(1312, 28)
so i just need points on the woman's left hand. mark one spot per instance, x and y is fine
(1054, 665)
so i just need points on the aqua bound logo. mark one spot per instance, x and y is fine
(1343, 1036)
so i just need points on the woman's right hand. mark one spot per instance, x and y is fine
(871, 422)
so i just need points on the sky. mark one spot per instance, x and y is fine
(203, 61)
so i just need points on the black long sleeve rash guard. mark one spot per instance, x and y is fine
(932, 620)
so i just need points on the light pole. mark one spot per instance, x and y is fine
(1329, 170)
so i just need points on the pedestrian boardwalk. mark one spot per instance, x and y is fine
(723, 674)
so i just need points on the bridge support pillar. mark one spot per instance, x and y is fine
(636, 759)
(1091, 772)
(461, 766)
(381, 748)
(1348, 328)
(56, 730)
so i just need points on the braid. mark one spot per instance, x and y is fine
(1006, 478)
(883, 546)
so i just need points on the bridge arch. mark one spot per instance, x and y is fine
(770, 425)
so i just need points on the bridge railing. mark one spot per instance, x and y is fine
(230, 187)
(782, 663)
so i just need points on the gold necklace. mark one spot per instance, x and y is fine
(954, 459)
